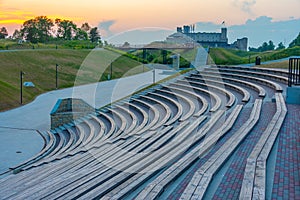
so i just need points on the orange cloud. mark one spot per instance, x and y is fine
(18, 17)
(15, 17)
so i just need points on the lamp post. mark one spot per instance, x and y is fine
(21, 86)
(111, 70)
(56, 76)
(153, 75)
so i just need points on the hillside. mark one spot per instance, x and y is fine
(39, 68)
(222, 56)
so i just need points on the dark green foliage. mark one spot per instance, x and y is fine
(295, 42)
(94, 35)
(66, 29)
(280, 46)
(3, 33)
(264, 47)
(37, 29)
(43, 30)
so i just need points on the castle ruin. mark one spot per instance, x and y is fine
(187, 34)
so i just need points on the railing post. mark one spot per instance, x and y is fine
(294, 71)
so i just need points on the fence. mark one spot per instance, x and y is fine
(294, 71)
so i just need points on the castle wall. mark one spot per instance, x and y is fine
(207, 39)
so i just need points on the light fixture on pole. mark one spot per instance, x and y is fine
(153, 75)
(56, 76)
(111, 70)
(21, 86)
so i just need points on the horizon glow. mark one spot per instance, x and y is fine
(134, 14)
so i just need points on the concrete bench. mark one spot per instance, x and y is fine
(215, 97)
(256, 74)
(134, 119)
(254, 180)
(245, 93)
(198, 97)
(154, 109)
(157, 136)
(72, 140)
(112, 128)
(101, 132)
(93, 129)
(98, 127)
(122, 119)
(164, 140)
(46, 150)
(88, 176)
(151, 163)
(142, 112)
(191, 104)
(111, 154)
(157, 186)
(179, 112)
(257, 69)
(261, 91)
(165, 116)
(61, 168)
(61, 141)
(76, 146)
(269, 83)
(181, 147)
(229, 95)
(201, 179)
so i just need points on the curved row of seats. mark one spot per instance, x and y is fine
(143, 144)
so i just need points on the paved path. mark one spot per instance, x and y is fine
(22, 122)
(287, 169)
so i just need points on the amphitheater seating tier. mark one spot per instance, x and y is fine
(182, 139)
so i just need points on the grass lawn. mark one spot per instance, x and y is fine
(222, 56)
(76, 67)
(277, 65)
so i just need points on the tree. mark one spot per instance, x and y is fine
(280, 46)
(105, 43)
(29, 31)
(94, 35)
(3, 33)
(17, 35)
(271, 46)
(295, 42)
(44, 26)
(66, 29)
(37, 29)
(264, 47)
(126, 44)
(86, 27)
(81, 34)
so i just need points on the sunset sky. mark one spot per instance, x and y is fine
(124, 15)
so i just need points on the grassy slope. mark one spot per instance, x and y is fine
(278, 65)
(76, 67)
(232, 57)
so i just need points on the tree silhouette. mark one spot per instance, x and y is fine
(37, 29)
(295, 42)
(3, 33)
(94, 35)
